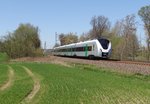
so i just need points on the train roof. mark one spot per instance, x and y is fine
(88, 41)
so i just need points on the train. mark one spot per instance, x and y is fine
(96, 48)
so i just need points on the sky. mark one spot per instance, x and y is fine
(64, 16)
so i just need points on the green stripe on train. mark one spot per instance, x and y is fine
(71, 51)
(86, 50)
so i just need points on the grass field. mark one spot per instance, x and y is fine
(81, 84)
(3, 74)
(3, 57)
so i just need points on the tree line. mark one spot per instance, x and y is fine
(123, 35)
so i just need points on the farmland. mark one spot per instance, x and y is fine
(41, 83)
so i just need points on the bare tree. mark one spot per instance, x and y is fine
(85, 36)
(144, 13)
(117, 29)
(129, 34)
(99, 24)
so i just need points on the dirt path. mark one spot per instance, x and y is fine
(10, 79)
(36, 86)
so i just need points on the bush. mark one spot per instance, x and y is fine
(22, 42)
(37, 52)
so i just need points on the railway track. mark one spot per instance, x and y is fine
(123, 66)
(129, 62)
(116, 65)
(136, 63)
(145, 63)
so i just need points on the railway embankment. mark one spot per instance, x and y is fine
(121, 66)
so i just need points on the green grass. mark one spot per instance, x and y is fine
(85, 85)
(3, 74)
(22, 85)
(3, 57)
(82, 84)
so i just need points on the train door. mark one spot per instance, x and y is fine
(95, 50)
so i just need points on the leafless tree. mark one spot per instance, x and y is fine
(85, 36)
(129, 34)
(99, 25)
(117, 29)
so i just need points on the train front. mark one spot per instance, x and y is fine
(105, 47)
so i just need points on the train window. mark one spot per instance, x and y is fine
(64, 50)
(70, 49)
(79, 49)
(82, 49)
(89, 48)
(73, 49)
(104, 43)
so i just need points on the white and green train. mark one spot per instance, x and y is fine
(90, 49)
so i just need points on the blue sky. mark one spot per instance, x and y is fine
(63, 16)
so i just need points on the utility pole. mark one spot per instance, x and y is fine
(44, 52)
(45, 45)
(55, 38)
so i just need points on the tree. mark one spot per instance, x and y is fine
(68, 38)
(129, 35)
(62, 39)
(99, 24)
(134, 46)
(124, 40)
(7, 44)
(56, 45)
(1, 45)
(28, 35)
(117, 29)
(85, 36)
(24, 41)
(144, 13)
(117, 40)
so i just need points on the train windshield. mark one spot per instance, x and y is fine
(104, 43)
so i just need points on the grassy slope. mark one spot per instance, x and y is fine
(21, 87)
(3, 74)
(62, 85)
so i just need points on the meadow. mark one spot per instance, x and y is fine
(41, 83)
(3, 57)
